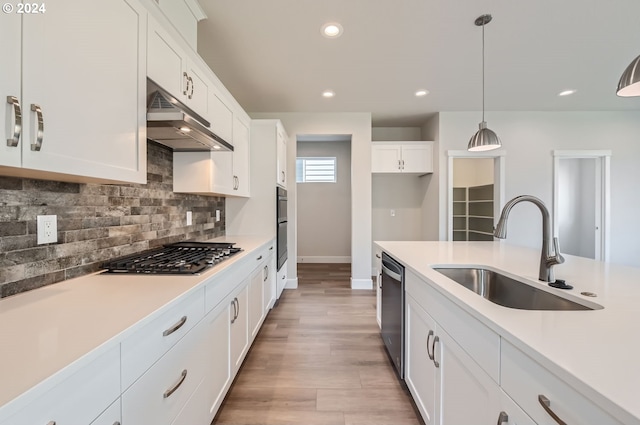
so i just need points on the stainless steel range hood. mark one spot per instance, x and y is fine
(173, 124)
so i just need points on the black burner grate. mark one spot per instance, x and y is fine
(177, 258)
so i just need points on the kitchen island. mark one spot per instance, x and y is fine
(63, 336)
(594, 352)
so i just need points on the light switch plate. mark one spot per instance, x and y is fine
(47, 229)
(217, 215)
(189, 218)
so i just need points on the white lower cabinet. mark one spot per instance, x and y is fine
(270, 281)
(218, 372)
(239, 338)
(542, 394)
(162, 391)
(80, 398)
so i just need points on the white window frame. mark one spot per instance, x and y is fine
(305, 176)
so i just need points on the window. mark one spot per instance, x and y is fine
(316, 170)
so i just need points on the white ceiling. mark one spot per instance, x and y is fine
(272, 57)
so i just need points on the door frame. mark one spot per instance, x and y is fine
(603, 165)
(499, 159)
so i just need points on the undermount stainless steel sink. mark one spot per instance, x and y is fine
(506, 291)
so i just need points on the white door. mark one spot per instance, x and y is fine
(581, 202)
(256, 301)
(86, 82)
(166, 62)
(10, 139)
(386, 158)
(217, 367)
(467, 394)
(421, 373)
(240, 158)
(239, 329)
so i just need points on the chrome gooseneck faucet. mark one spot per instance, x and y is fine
(547, 261)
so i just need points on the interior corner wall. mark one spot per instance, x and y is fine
(529, 139)
(431, 214)
(358, 125)
(397, 134)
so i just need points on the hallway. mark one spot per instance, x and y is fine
(319, 360)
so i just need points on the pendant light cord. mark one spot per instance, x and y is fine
(483, 71)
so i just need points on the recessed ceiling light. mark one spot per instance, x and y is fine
(332, 30)
(328, 93)
(567, 92)
(216, 147)
(421, 93)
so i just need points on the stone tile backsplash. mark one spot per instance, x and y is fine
(95, 223)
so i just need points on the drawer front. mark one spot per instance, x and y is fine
(480, 342)
(161, 393)
(525, 380)
(79, 399)
(221, 285)
(111, 416)
(148, 344)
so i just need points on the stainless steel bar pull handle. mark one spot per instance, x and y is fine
(36, 145)
(503, 418)
(17, 121)
(235, 315)
(238, 309)
(191, 92)
(175, 327)
(430, 354)
(282, 176)
(433, 351)
(265, 271)
(186, 83)
(52, 423)
(546, 405)
(259, 258)
(173, 389)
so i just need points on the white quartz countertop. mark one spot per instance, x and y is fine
(48, 332)
(597, 352)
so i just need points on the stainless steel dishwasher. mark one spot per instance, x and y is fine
(392, 317)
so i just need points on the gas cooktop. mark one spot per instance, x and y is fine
(176, 258)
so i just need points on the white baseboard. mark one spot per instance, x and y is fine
(291, 284)
(361, 283)
(324, 259)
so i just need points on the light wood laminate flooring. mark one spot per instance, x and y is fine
(319, 360)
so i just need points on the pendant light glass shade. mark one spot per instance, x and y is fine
(629, 84)
(484, 139)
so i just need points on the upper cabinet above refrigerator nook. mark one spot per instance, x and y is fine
(402, 157)
(74, 92)
(281, 155)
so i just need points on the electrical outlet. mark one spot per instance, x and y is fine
(47, 229)
(217, 215)
(189, 218)
(393, 213)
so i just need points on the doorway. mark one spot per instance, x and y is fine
(475, 194)
(581, 202)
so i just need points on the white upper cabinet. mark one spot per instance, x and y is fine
(402, 157)
(281, 155)
(169, 66)
(83, 91)
(241, 158)
(10, 27)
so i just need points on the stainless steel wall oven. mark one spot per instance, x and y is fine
(281, 223)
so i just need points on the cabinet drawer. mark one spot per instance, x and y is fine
(80, 398)
(148, 344)
(111, 416)
(525, 380)
(221, 285)
(161, 393)
(480, 342)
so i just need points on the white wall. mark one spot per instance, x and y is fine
(402, 194)
(469, 172)
(324, 209)
(430, 131)
(529, 139)
(358, 125)
(395, 134)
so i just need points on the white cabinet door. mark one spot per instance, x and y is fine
(239, 328)
(220, 115)
(197, 97)
(203, 172)
(270, 280)
(378, 268)
(256, 301)
(86, 83)
(420, 372)
(281, 156)
(385, 158)
(417, 158)
(240, 158)
(10, 140)
(467, 394)
(218, 375)
(166, 61)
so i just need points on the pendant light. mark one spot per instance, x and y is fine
(629, 84)
(485, 139)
